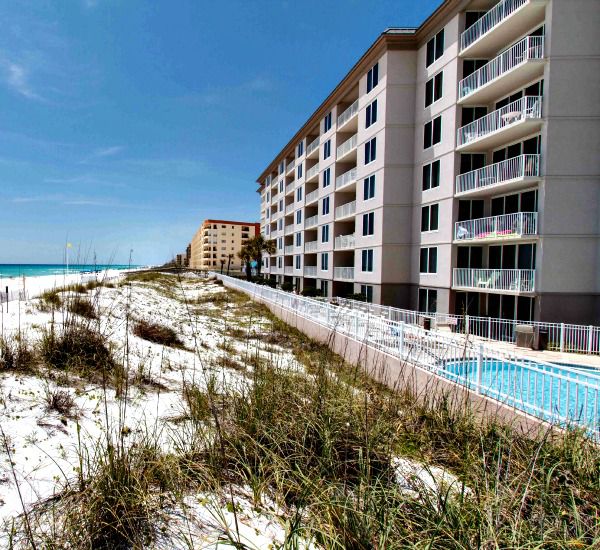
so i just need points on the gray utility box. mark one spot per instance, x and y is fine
(524, 336)
(540, 339)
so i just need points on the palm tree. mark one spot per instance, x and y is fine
(257, 245)
(229, 258)
(246, 256)
(222, 264)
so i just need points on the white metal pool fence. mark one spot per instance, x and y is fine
(561, 336)
(537, 388)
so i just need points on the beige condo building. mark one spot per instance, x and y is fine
(455, 168)
(218, 240)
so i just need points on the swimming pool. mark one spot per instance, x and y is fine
(554, 393)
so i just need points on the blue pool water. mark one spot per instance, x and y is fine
(574, 397)
(35, 270)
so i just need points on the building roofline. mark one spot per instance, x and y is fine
(231, 222)
(392, 38)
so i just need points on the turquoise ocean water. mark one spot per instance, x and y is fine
(36, 270)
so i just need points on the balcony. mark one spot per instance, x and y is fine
(310, 246)
(310, 270)
(312, 150)
(347, 148)
(510, 123)
(349, 115)
(289, 188)
(497, 228)
(345, 179)
(345, 211)
(311, 222)
(289, 209)
(289, 229)
(513, 68)
(311, 197)
(505, 22)
(289, 269)
(515, 173)
(312, 173)
(343, 273)
(289, 166)
(514, 281)
(288, 249)
(344, 242)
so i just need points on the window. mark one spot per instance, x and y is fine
(266, 262)
(372, 77)
(281, 186)
(327, 122)
(429, 217)
(371, 114)
(327, 149)
(324, 261)
(279, 262)
(280, 243)
(469, 114)
(427, 300)
(433, 89)
(433, 132)
(472, 65)
(435, 48)
(325, 208)
(299, 194)
(299, 170)
(279, 225)
(281, 205)
(324, 288)
(300, 149)
(369, 187)
(367, 292)
(298, 216)
(370, 150)
(297, 261)
(428, 260)
(325, 233)
(298, 239)
(431, 175)
(368, 223)
(326, 177)
(367, 260)
(281, 167)
(471, 17)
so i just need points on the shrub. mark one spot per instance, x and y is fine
(16, 354)
(60, 401)
(83, 307)
(158, 334)
(311, 292)
(50, 300)
(287, 287)
(76, 347)
(358, 297)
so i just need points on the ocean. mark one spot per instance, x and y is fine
(36, 270)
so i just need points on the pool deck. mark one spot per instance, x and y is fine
(544, 356)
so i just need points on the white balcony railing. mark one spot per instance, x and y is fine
(345, 210)
(500, 172)
(507, 226)
(510, 280)
(313, 146)
(311, 222)
(521, 109)
(289, 208)
(486, 23)
(289, 269)
(343, 242)
(289, 188)
(312, 172)
(312, 196)
(289, 249)
(348, 114)
(531, 47)
(310, 270)
(347, 146)
(345, 179)
(310, 246)
(290, 166)
(289, 229)
(344, 273)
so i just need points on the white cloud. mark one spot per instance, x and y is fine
(17, 78)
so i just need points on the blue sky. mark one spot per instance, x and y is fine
(125, 123)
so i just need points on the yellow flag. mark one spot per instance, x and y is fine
(69, 245)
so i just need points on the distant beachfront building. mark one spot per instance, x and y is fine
(218, 240)
(455, 168)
